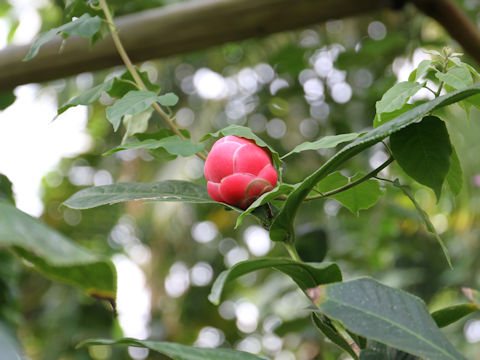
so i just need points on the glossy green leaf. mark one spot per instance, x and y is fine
(178, 351)
(324, 143)
(359, 197)
(245, 132)
(451, 314)
(386, 117)
(169, 190)
(323, 324)
(85, 26)
(173, 144)
(379, 351)
(455, 174)
(384, 314)
(263, 199)
(396, 97)
(305, 275)
(7, 98)
(423, 151)
(282, 226)
(54, 255)
(125, 83)
(135, 102)
(6, 191)
(87, 97)
(456, 77)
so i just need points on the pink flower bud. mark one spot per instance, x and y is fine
(238, 171)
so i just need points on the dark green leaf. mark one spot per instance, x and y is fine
(311, 243)
(169, 190)
(323, 143)
(85, 26)
(125, 83)
(263, 199)
(387, 315)
(456, 77)
(6, 192)
(379, 351)
(304, 274)
(424, 217)
(177, 351)
(7, 98)
(54, 255)
(282, 226)
(396, 97)
(423, 151)
(173, 144)
(359, 197)
(451, 314)
(455, 173)
(244, 132)
(87, 97)
(323, 324)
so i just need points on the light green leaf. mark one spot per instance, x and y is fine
(282, 226)
(456, 77)
(386, 117)
(135, 124)
(422, 68)
(455, 174)
(85, 26)
(87, 97)
(323, 143)
(245, 132)
(423, 151)
(177, 351)
(451, 314)
(305, 275)
(135, 102)
(359, 197)
(169, 190)
(396, 97)
(384, 314)
(54, 255)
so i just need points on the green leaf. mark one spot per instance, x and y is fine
(263, 199)
(169, 190)
(323, 143)
(305, 275)
(456, 77)
(173, 144)
(386, 117)
(282, 226)
(7, 98)
(177, 351)
(135, 124)
(135, 102)
(384, 314)
(87, 97)
(85, 26)
(454, 313)
(424, 217)
(422, 68)
(455, 173)
(396, 97)
(379, 351)
(54, 255)
(125, 83)
(423, 151)
(323, 324)
(359, 197)
(311, 243)
(244, 132)
(6, 191)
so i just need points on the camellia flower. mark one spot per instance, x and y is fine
(238, 171)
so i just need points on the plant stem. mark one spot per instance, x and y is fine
(346, 336)
(292, 251)
(371, 174)
(131, 68)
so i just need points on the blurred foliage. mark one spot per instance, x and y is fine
(288, 88)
